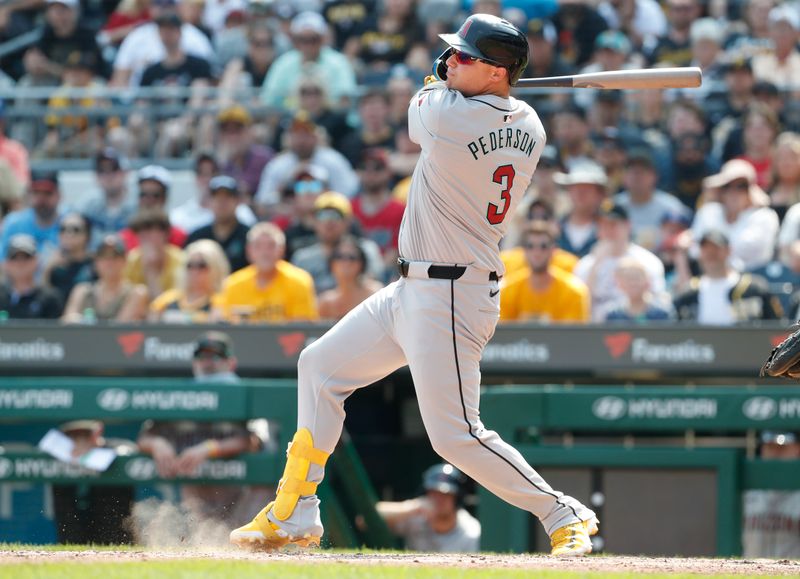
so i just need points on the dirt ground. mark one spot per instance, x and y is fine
(605, 563)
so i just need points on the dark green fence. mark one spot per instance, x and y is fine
(524, 415)
(125, 400)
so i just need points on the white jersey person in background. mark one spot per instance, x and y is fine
(479, 151)
(434, 522)
(772, 518)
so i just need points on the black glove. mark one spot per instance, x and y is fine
(784, 360)
(440, 64)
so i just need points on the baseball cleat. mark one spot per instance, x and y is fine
(261, 534)
(574, 540)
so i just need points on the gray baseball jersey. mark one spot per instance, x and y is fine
(478, 157)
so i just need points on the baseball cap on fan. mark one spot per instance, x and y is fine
(586, 172)
(217, 343)
(68, 3)
(308, 22)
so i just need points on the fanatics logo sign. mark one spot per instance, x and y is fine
(130, 343)
(617, 344)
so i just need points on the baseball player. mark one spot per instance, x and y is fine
(479, 150)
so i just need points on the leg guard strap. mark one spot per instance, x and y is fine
(294, 483)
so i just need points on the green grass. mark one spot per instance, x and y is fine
(255, 570)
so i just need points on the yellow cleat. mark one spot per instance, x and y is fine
(264, 535)
(573, 540)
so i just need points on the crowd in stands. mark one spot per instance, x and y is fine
(652, 206)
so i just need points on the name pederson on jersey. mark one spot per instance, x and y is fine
(478, 157)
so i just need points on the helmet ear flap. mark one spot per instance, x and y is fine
(440, 64)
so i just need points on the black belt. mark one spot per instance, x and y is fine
(441, 271)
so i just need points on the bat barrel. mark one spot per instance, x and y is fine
(651, 78)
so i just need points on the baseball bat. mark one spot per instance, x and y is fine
(643, 78)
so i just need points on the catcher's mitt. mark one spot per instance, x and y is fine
(784, 360)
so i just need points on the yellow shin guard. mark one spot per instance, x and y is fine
(294, 484)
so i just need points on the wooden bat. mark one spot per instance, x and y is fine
(643, 78)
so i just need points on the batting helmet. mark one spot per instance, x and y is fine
(444, 478)
(494, 40)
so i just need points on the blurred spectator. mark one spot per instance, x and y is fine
(436, 522)
(309, 183)
(348, 264)
(383, 39)
(597, 269)
(378, 214)
(110, 298)
(226, 23)
(690, 166)
(760, 129)
(110, 209)
(741, 213)
(610, 154)
(608, 112)
(20, 296)
(706, 36)
(785, 190)
(248, 72)
(196, 212)
(239, 155)
(783, 277)
(176, 67)
(225, 229)
(68, 134)
(204, 270)
(93, 514)
(180, 448)
(638, 304)
(722, 296)
(646, 205)
(781, 65)
(541, 291)
(13, 152)
(753, 37)
(533, 210)
(726, 107)
(674, 48)
(578, 24)
(154, 263)
(304, 146)
(313, 97)
(346, 17)
(71, 264)
(685, 119)
(333, 217)
(676, 240)
(154, 185)
(771, 518)
(142, 47)
(586, 186)
(375, 130)
(62, 34)
(309, 57)
(176, 70)
(642, 21)
(40, 219)
(270, 290)
(123, 20)
(570, 130)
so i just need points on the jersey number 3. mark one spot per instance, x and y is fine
(504, 176)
